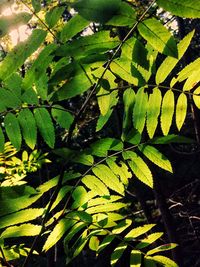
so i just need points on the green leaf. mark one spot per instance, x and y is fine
(153, 111)
(139, 168)
(138, 231)
(156, 157)
(149, 263)
(169, 63)
(120, 227)
(98, 42)
(135, 51)
(22, 230)
(128, 73)
(61, 116)
(2, 140)
(117, 253)
(94, 243)
(101, 147)
(135, 258)
(28, 127)
(164, 261)
(106, 175)
(13, 130)
(171, 138)
(96, 185)
(125, 16)
(30, 97)
(45, 125)
(181, 110)
(167, 111)
(162, 248)
(186, 72)
(158, 36)
(106, 241)
(20, 53)
(74, 230)
(150, 239)
(186, 8)
(120, 170)
(140, 109)
(39, 66)
(20, 217)
(59, 230)
(128, 100)
(196, 97)
(97, 10)
(9, 99)
(53, 15)
(75, 86)
(36, 5)
(74, 250)
(106, 207)
(75, 25)
(192, 80)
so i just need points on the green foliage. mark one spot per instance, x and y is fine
(98, 81)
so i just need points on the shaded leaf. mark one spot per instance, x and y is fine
(2, 140)
(75, 25)
(125, 16)
(61, 116)
(53, 15)
(28, 127)
(13, 130)
(9, 99)
(117, 253)
(97, 10)
(135, 258)
(45, 126)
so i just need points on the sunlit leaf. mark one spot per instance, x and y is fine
(167, 111)
(158, 36)
(181, 110)
(139, 168)
(153, 111)
(156, 157)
